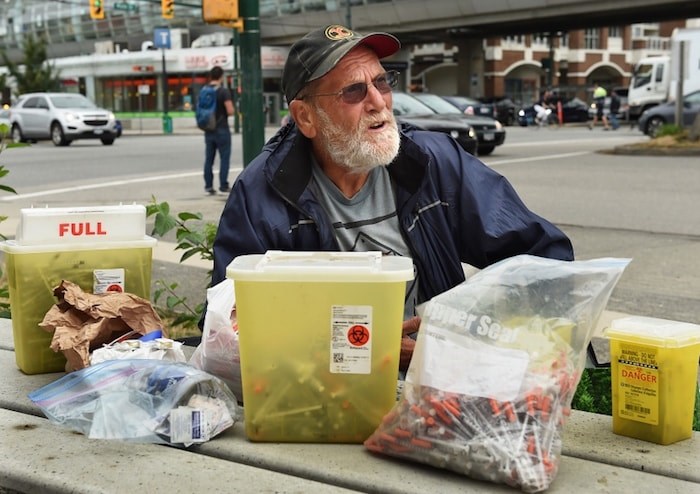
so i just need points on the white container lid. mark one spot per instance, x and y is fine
(660, 332)
(13, 247)
(277, 265)
(81, 225)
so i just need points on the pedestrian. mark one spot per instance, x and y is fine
(218, 139)
(344, 176)
(614, 109)
(599, 95)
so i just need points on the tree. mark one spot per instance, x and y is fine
(35, 73)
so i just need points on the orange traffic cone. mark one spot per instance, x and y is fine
(560, 113)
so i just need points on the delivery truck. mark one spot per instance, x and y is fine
(655, 79)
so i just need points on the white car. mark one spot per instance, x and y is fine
(61, 117)
(5, 119)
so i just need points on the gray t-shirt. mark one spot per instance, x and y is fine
(367, 221)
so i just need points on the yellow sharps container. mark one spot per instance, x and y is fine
(319, 336)
(654, 366)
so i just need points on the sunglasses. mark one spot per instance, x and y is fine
(356, 93)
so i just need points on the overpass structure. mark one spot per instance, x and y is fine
(421, 21)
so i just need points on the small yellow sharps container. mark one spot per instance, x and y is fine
(654, 366)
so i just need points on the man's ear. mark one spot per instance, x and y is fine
(304, 117)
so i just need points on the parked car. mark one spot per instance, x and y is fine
(411, 111)
(504, 109)
(573, 110)
(62, 118)
(489, 131)
(470, 106)
(622, 114)
(652, 119)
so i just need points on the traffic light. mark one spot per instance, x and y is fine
(97, 9)
(216, 11)
(167, 8)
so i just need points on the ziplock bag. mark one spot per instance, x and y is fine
(140, 400)
(218, 353)
(495, 367)
(150, 346)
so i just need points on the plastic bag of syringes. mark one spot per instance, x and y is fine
(495, 367)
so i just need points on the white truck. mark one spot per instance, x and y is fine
(654, 79)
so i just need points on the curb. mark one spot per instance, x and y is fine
(632, 150)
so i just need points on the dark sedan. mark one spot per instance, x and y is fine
(411, 111)
(470, 106)
(489, 131)
(574, 110)
(652, 119)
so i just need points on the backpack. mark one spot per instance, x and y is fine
(205, 114)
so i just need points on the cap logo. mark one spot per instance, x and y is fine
(337, 32)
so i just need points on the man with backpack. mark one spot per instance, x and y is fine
(214, 106)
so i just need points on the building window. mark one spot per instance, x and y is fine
(514, 40)
(591, 38)
(615, 32)
(564, 40)
(540, 39)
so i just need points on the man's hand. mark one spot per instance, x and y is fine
(407, 343)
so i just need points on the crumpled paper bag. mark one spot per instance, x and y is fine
(82, 322)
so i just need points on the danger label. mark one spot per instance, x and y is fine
(351, 339)
(638, 385)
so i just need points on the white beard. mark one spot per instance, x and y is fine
(360, 151)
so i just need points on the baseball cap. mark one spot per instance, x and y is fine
(314, 55)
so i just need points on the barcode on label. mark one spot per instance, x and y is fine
(637, 409)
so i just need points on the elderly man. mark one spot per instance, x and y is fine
(343, 176)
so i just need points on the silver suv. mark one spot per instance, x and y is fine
(61, 117)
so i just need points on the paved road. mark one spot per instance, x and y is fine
(644, 208)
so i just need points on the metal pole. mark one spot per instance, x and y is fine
(165, 85)
(550, 73)
(679, 84)
(251, 98)
(236, 79)
(348, 15)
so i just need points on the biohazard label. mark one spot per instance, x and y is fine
(351, 339)
(108, 280)
(638, 385)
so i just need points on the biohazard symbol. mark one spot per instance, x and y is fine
(337, 32)
(114, 288)
(358, 335)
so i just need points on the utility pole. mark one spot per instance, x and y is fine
(251, 97)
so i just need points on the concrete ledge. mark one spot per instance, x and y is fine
(36, 456)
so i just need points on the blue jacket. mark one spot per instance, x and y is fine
(451, 208)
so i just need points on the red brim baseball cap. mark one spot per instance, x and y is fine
(318, 52)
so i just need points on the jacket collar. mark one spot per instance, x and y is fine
(289, 163)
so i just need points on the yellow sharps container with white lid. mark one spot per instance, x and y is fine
(320, 338)
(654, 366)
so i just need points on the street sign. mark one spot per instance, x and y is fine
(161, 37)
(126, 6)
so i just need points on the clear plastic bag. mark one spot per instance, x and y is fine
(495, 368)
(218, 353)
(140, 400)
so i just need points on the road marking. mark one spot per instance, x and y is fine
(568, 142)
(103, 185)
(538, 158)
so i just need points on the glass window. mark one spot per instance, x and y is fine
(591, 38)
